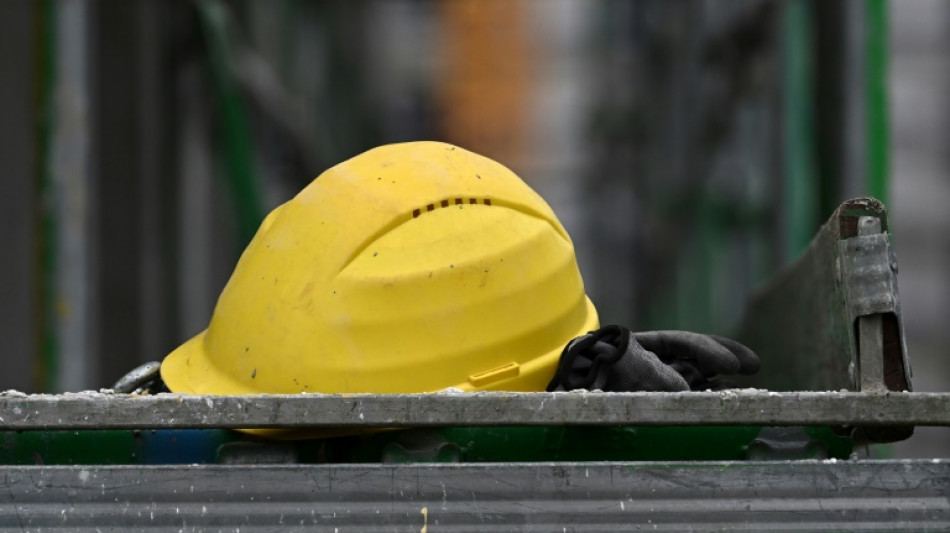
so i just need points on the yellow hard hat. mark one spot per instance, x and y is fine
(412, 267)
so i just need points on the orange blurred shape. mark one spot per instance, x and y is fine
(482, 92)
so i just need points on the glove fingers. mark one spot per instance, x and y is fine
(610, 359)
(748, 360)
(613, 359)
(702, 351)
(693, 377)
(642, 370)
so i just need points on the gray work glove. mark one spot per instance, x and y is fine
(613, 358)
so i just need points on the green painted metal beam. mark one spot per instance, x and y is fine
(46, 367)
(877, 99)
(237, 139)
(800, 187)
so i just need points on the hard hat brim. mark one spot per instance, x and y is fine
(190, 370)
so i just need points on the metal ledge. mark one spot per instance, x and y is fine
(680, 496)
(734, 407)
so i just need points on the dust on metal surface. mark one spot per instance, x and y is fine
(730, 407)
(588, 496)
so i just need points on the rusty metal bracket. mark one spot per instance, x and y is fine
(832, 319)
(867, 268)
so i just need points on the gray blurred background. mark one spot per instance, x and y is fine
(690, 147)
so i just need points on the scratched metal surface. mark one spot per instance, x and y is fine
(731, 407)
(732, 496)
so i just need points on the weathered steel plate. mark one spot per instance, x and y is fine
(731, 407)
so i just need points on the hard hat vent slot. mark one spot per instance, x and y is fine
(450, 201)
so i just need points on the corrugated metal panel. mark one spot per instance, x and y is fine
(784, 496)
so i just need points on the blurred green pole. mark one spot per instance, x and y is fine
(46, 368)
(876, 98)
(237, 136)
(800, 187)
